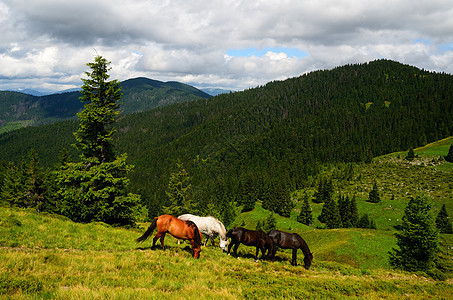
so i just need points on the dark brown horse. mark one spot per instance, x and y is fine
(256, 238)
(286, 240)
(186, 230)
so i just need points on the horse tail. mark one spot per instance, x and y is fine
(228, 235)
(149, 231)
(196, 232)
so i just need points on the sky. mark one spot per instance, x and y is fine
(46, 44)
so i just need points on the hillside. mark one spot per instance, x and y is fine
(276, 137)
(68, 260)
(139, 94)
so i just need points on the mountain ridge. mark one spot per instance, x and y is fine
(139, 94)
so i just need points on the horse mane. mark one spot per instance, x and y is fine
(223, 231)
(197, 237)
(304, 246)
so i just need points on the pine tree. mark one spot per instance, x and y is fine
(270, 223)
(354, 212)
(37, 189)
(305, 216)
(179, 193)
(417, 239)
(373, 196)
(330, 214)
(95, 189)
(449, 156)
(101, 98)
(325, 191)
(410, 154)
(14, 183)
(365, 222)
(443, 222)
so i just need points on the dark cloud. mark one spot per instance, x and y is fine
(188, 40)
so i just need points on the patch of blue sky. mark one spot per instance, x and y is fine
(442, 47)
(248, 52)
(446, 47)
(423, 41)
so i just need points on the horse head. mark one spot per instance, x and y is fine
(196, 251)
(307, 260)
(223, 244)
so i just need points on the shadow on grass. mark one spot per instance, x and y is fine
(187, 249)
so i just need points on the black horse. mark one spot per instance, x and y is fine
(293, 241)
(247, 237)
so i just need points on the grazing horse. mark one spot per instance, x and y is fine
(209, 226)
(247, 237)
(186, 230)
(293, 241)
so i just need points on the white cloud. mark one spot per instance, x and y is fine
(48, 42)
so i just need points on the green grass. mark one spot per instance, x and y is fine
(15, 125)
(46, 256)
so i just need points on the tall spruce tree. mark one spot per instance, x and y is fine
(417, 239)
(95, 189)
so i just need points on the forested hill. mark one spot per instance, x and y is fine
(139, 94)
(266, 141)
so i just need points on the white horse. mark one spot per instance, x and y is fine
(209, 226)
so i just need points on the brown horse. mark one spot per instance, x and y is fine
(186, 230)
(256, 238)
(286, 240)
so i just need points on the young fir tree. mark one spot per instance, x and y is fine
(325, 191)
(365, 222)
(417, 239)
(37, 189)
(443, 222)
(14, 182)
(305, 216)
(410, 154)
(95, 189)
(330, 214)
(270, 223)
(449, 156)
(354, 212)
(179, 193)
(373, 196)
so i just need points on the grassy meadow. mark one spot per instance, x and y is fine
(48, 256)
(45, 256)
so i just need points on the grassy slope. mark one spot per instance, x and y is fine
(47, 256)
(50, 256)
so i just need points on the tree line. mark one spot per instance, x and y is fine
(263, 143)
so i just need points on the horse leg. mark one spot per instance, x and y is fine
(206, 241)
(212, 240)
(235, 249)
(229, 247)
(294, 258)
(162, 240)
(158, 235)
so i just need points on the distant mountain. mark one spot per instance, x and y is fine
(19, 109)
(29, 92)
(215, 92)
